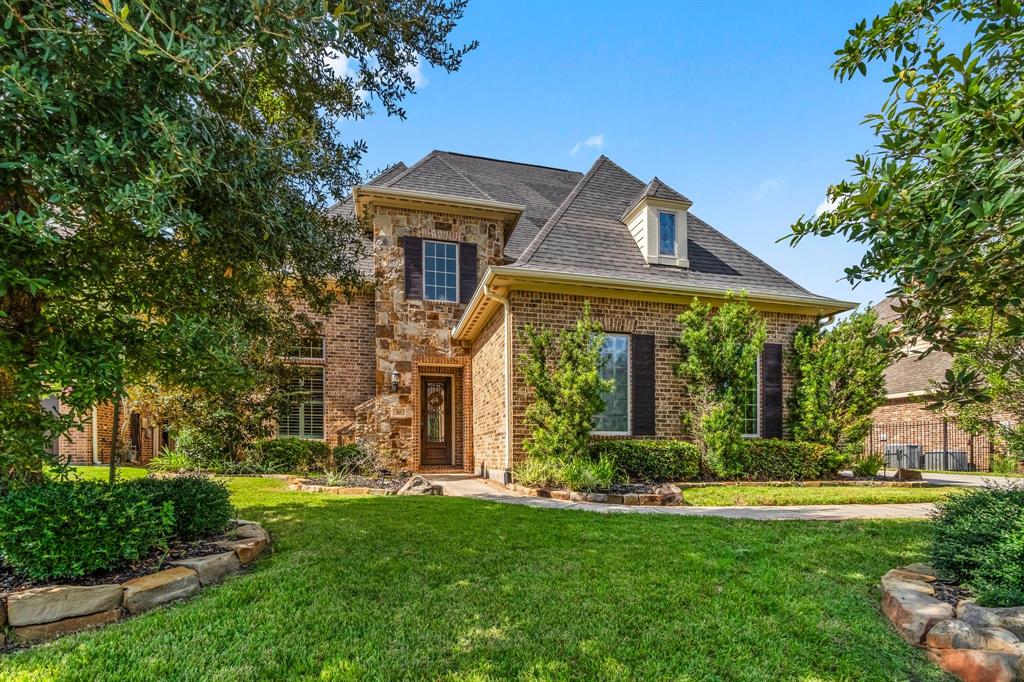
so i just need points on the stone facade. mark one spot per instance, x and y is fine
(558, 311)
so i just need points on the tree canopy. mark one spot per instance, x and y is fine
(940, 202)
(164, 173)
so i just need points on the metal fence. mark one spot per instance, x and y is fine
(937, 444)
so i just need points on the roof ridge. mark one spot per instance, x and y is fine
(462, 175)
(531, 249)
(514, 163)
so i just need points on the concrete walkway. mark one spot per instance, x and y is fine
(466, 485)
(966, 480)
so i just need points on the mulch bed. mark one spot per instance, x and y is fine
(151, 563)
(392, 483)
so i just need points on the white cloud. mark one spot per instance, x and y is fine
(826, 206)
(415, 72)
(767, 187)
(592, 142)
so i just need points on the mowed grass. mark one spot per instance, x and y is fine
(720, 496)
(385, 588)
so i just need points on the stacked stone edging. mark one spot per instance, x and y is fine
(42, 613)
(976, 643)
(663, 496)
(416, 485)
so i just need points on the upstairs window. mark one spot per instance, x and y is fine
(308, 348)
(614, 420)
(303, 417)
(440, 271)
(666, 234)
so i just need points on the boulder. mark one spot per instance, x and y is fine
(974, 665)
(417, 485)
(897, 579)
(959, 634)
(45, 631)
(49, 604)
(251, 530)
(908, 475)
(212, 568)
(247, 549)
(670, 494)
(923, 571)
(142, 594)
(913, 613)
(1010, 618)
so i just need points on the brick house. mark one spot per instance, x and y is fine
(466, 251)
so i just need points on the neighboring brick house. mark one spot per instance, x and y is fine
(466, 251)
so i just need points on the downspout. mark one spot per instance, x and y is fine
(95, 438)
(508, 374)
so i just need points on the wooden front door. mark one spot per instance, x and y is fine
(436, 421)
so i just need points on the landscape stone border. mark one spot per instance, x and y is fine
(416, 485)
(663, 496)
(975, 643)
(41, 613)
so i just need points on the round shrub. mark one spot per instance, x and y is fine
(68, 529)
(202, 505)
(652, 461)
(979, 540)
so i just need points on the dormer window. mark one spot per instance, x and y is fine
(666, 234)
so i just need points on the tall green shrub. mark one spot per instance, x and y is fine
(566, 381)
(720, 348)
(840, 380)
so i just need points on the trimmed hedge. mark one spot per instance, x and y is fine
(651, 461)
(979, 540)
(280, 455)
(67, 529)
(773, 459)
(202, 506)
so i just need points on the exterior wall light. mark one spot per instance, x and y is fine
(394, 380)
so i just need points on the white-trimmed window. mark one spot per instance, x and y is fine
(440, 271)
(666, 234)
(751, 404)
(614, 420)
(308, 348)
(303, 417)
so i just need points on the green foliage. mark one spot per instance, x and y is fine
(979, 540)
(174, 461)
(290, 455)
(840, 380)
(67, 529)
(720, 349)
(772, 459)
(1004, 464)
(165, 170)
(652, 460)
(587, 475)
(938, 202)
(202, 506)
(566, 382)
(538, 472)
(868, 465)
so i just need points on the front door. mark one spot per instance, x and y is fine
(436, 421)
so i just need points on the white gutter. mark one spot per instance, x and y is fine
(95, 438)
(508, 372)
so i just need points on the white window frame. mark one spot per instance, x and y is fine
(675, 242)
(300, 407)
(423, 269)
(757, 399)
(629, 391)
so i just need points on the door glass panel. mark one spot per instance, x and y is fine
(436, 409)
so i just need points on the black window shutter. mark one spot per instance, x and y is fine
(771, 390)
(467, 271)
(413, 267)
(642, 362)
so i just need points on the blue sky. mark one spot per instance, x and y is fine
(732, 104)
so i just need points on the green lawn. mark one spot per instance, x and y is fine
(715, 496)
(444, 588)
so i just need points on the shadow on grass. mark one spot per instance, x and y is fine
(390, 588)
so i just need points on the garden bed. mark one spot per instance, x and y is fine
(35, 611)
(363, 485)
(653, 495)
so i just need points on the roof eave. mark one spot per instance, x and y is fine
(364, 194)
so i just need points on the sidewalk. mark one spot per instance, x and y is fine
(466, 485)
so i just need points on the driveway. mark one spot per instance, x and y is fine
(474, 487)
(966, 480)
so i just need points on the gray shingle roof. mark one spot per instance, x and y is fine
(656, 189)
(915, 372)
(586, 236)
